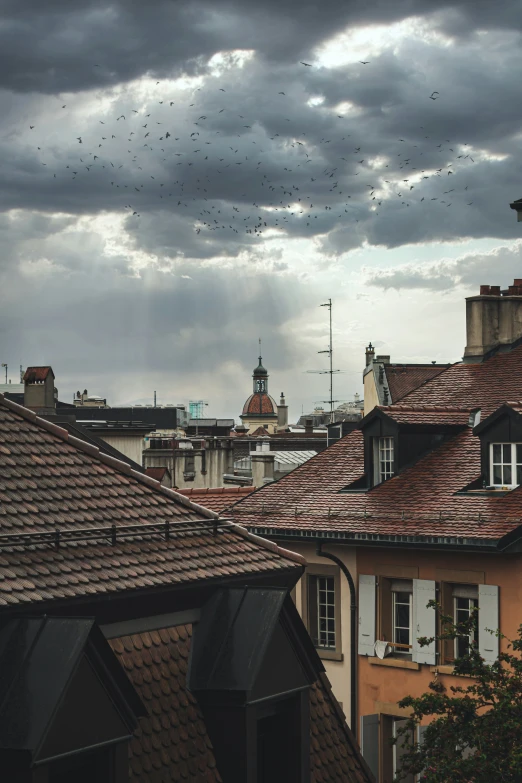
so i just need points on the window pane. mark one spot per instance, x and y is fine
(507, 452)
(496, 452)
(519, 452)
(519, 474)
(402, 619)
(402, 635)
(507, 474)
(497, 474)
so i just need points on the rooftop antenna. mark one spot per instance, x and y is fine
(331, 372)
(154, 399)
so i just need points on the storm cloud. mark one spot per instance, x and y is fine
(176, 181)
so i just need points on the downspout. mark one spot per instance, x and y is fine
(353, 631)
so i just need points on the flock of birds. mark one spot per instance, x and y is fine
(156, 161)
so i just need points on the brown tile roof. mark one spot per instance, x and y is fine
(436, 415)
(403, 378)
(173, 744)
(51, 481)
(260, 404)
(334, 754)
(260, 432)
(33, 374)
(420, 502)
(218, 498)
(156, 473)
(486, 385)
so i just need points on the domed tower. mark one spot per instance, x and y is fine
(260, 410)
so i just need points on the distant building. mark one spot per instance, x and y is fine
(386, 383)
(82, 399)
(260, 409)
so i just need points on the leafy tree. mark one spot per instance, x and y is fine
(476, 732)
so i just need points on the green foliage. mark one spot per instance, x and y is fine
(475, 735)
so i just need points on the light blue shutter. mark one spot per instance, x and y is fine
(423, 620)
(367, 585)
(488, 618)
(370, 742)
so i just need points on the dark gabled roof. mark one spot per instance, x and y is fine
(512, 409)
(242, 618)
(38, 659)
(125, 530)
(157, 664)
(404, 378)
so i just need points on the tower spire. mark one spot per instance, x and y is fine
(259, 350)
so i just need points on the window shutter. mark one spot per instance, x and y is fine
(367, 586)
(488, 618)
(420, 734)
(370, 742)
(423, 620)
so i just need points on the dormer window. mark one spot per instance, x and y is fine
(506, 464)
(383, 459)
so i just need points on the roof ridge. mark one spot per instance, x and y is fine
(94, 451)
(124, 467)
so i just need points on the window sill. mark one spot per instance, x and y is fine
(329, 655)
(443, 669)
(395, 663)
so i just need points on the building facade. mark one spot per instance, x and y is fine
(421, 503)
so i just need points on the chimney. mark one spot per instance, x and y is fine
(370, 353)
(39, 390)
(262, 467)
(493, 320)
(309, 426)
(282, 412)
(384, 359)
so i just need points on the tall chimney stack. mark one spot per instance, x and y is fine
(282, 412)
(39, 390)
(370, 354)
(493, 320)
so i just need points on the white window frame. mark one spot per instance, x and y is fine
(472, 604)
(513, 464)
(383, 447)
(395, 628)
(322, 612)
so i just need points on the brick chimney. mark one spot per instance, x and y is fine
(493, 320)
(39, 390)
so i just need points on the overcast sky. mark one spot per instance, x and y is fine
(175, 182)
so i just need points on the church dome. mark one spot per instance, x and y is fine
(260, 404)
(260, 370)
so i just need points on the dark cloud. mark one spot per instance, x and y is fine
(249, 179)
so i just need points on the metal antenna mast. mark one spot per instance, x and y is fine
(331, 372)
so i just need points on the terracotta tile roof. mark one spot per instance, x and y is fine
(260, 404)
(156, 473)
(51, 481)
(436, 415)
(334, 754)
(173, 744)
(403, 378)
(218, 498)
(260, 432)
(486, 385)
(33, 374)
(419, 502)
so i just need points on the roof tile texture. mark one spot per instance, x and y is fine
(172, 742)
(433, 415)
(486, 385)
(260, 404)
(48, 483)
(421, 501)
(217, 499)
(403, 378)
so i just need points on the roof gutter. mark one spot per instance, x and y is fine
(377, 539)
